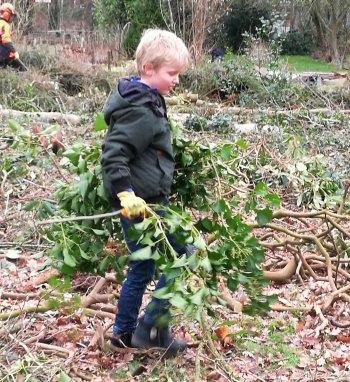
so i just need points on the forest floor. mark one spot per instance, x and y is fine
(48, 332)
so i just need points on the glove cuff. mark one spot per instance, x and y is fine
(123, 194)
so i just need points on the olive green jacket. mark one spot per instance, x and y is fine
(137, 152)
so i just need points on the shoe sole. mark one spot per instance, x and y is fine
(167, 352)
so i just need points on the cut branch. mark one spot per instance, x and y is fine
(43, 116)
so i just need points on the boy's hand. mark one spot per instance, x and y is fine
(132, 204)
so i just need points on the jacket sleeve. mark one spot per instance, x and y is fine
(128, 136)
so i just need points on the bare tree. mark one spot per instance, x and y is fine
(329, 18)
(24, 21)
(54, 14)
(192, 19)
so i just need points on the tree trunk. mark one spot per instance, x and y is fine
(27, 26)
(333, 42)
(320, 32)
(329, 18)
(54, 15)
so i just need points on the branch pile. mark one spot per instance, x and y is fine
(319, 242)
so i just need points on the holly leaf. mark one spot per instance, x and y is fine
(68, 258)
(178, 301)
(142, 254)
(263, 216)
(273, 198)
(99, 123)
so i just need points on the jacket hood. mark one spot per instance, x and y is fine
(130, 91)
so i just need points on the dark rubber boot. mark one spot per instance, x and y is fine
(148, 336)
(121, 341)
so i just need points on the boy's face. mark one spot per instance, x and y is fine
(163, 78)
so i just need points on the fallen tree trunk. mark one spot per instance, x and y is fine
(47, 117)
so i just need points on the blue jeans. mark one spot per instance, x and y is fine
(140, 273)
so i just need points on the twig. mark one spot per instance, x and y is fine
(96, 298)
(78, 218)
(80, 374)
(336, 250)
(324, 320)
(19, 296)
(29, 246)
(283, 274)
(98, 286)
(281, 308)
(98, 313)
(43, 277)
(309, 268)
(29, 309)
(338, 227)
(23, 345)
(104, 307)
(97, 338)
(55, 163)
(197, 377)
(343, 325)
(36, 338)
(223, 364)
(346, 190)
(14, 329)
(6, 174)
(43, 116)
(62, 352)
(38, 185)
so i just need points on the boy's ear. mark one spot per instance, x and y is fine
(148, 69)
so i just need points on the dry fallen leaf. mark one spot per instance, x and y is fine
(339, 360)
(222, 332)
(213, 376)
(300, 325)
(343, 338)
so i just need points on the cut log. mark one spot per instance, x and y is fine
(47, 117)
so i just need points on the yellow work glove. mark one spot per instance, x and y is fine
(132, 204)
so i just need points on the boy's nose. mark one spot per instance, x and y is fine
(176, 80)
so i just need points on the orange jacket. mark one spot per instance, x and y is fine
(5, 32)
(7, 50)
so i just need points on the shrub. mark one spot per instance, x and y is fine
(203, 79)
(297, 42)
(38, 59)
(221, 79)
(29, 93)
(243, 18)
(218, 122)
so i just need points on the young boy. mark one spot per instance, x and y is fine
(138, 166)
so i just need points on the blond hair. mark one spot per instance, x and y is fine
(159, 47)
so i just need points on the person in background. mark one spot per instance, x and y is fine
(217, 54)
(8, 54)
(137, 167)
